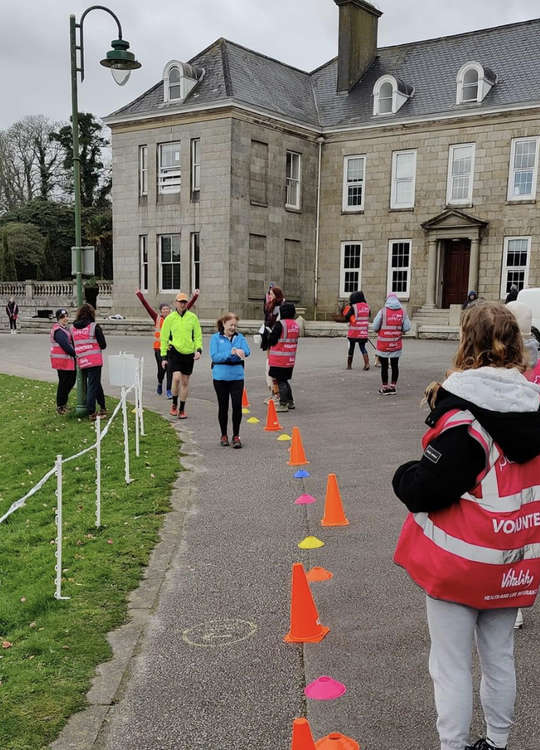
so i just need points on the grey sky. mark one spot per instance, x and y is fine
(34, 40)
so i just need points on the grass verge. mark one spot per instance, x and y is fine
(49, 649)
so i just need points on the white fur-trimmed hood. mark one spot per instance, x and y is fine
(495, 388)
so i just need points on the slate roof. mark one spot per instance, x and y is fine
(234, 72)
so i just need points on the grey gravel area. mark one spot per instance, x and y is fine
(201, 662)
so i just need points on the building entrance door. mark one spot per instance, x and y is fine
(456, 271)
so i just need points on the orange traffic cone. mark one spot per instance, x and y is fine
(336, 741)
(333, 507)
(305, 625)
(245, 402)
(297, 457)
(302, 739)
(272, 422)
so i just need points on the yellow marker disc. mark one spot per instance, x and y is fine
(245, 411)
(284, 437)
(253, 420)
(310, 542)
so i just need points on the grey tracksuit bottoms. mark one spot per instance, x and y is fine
(453, 629)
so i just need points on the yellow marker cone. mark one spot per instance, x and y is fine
(253, 420)
(310, 542)
(245, 411)
(284, 437)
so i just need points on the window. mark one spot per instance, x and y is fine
(470, 86)
(473, 83)
(390, 94)
(460, 174)
(169, 262)
(256, 266)
(403, 179)
(351, 268)
(399, 268)
(291, 268)
(386, 94)
(195, 261)
(143, 262)
(258, 173)
(354, 168)
(170, 176)
(292, 179)
(143, 170)
(515, 268)
(195, 168)
(523, 169)
(174, 83)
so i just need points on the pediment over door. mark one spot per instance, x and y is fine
(453, 219)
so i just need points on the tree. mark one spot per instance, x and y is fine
(95, 183)
(25, 244)
(97, 228)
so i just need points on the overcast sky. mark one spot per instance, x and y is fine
(34, 40)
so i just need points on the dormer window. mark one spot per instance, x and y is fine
(179, 79)
(389, 95)
(474, 82)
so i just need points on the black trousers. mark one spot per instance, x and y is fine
(232, 389)
(161, 371)
(394, 364)
(285, 392)
(66, 381)
(94, 391)
(13, 324)
(361, 343)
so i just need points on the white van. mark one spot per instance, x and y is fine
(531, 298)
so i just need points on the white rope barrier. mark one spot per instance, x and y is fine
(98, 473)
(126, 439)
(58, 518)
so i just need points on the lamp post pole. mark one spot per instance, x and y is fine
(121, 62)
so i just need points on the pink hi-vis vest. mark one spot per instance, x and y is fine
(359, 322)
(59, 359)
(86, 346)
(534, 374)
(484, 550)
(389, 337)
(283, 354)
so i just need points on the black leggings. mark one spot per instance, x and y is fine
(66, 381)
(361, 344)
(161, 371)
(13, 324)
(234, 389)
(394, 363)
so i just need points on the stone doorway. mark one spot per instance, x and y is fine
(455, 277)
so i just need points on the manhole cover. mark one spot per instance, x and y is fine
(219, 633)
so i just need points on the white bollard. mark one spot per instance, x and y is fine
(126, 440)
(98, 473)
(141, 372)
(58, 566)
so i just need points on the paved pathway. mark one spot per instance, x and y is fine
(225, 565)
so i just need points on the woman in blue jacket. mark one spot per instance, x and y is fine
(228, 349)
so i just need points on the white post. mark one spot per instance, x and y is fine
(58, 566)
(98, 473)
(141, 372)
(137, 413)
(126, 441)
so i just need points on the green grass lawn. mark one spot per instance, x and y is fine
(49, 649)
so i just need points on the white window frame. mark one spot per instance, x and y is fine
(343, 270)
(143, 262)
(345, 196)
(449, 185)
(169, 177)
(161, 263)
(195, 263)
(483, 85)
(395, 181)
(512, 170)
(195, 149)
(389, 277)
(293, 183)
(143, 170)
(506, 268)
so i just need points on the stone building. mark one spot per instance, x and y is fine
(410, 169)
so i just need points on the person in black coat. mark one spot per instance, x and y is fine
(12, 310)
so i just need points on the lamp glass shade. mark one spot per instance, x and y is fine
(120, 76)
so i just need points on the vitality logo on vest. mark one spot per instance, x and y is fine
(510, 579)
(512, 527)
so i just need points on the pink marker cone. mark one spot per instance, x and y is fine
(305, 500)
(324, 689)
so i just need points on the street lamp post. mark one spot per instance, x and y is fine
(121, 63)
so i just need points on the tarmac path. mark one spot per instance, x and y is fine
(202, 662)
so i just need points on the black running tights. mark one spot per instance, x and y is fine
(394, 363)
(233, 389)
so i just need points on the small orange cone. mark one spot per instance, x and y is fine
(245, 402)
(302, 739)
(305, 625)
(318, 574)
(333, 507)
(337, 741)
(272, 422)
(297, 457)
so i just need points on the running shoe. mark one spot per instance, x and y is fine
(291, 405)
(385, 390)
(182, 415)
(224, 441)
(174, 411)
(236, 442)
(169, 393)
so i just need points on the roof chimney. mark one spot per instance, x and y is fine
(357, 41)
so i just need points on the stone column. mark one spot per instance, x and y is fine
(431, 269)
(474, 262)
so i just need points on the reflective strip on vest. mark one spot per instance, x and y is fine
(87, 348)
(484, 550)
(359, 323)
(283, 354)
(59, 359)
(389, 336)
(157, 332)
